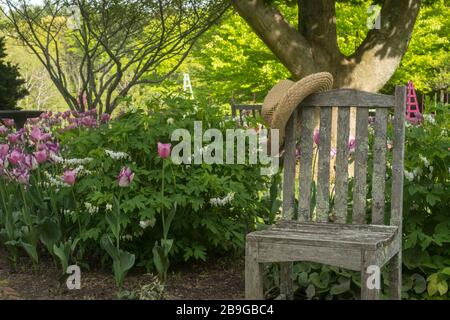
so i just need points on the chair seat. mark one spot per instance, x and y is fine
(330, 235)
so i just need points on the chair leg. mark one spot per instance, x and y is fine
(286, 280)
(370, 276)
(395, 277)
(254, 272)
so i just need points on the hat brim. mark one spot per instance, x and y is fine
(289, 102)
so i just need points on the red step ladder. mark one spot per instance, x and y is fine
(413, 113)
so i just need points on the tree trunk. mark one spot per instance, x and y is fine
(314, 48)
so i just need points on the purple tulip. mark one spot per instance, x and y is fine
(125, 177)
(316, 137)
(164, 150)
(69, 177)
(41, 156)
(15, 157)
(4, 148)
(351, 145)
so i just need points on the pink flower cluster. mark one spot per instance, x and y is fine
(70, 120)
(24, 150)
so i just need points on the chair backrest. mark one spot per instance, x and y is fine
(244, 110)
(344, 99)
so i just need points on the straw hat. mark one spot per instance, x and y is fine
(285, 97)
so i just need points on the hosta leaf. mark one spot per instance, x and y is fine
(340, 288)
(442, 287)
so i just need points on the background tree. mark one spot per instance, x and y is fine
(96, 51)
(11, 84)
(312, 44)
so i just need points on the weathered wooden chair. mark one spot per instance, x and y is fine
(244, 109)
(314, 237)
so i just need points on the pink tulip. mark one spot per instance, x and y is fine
(125, 177)
(9, 122)
(416, 119)
(36, 134)
(164, 150)
(30, 162)
(316, 137)
(14, 137)
(351, 145)
(4, 148)
(105, 118)
(69, 177)
(22, 176)
(333, 153)
(33, 120)
(15, 157)
(41, 156)
(3, 130)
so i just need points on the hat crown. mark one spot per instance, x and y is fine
(272, 98)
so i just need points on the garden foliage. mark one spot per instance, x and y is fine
(88, 191)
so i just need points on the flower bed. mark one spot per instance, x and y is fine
(94, 192)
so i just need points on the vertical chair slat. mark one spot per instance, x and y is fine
(289, 168)
(359, 189)
(306, 154)
(379, 166)
(341, 181)
(323, 176)
(398, 156)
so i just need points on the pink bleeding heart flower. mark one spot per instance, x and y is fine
(125, 177)
(3, 130)
(69, 177)
(9, 122)
(15, 157)
(316, 137)
(164, 150)
(4, 148)
(41, 156)
(14, 137)
(351, 145)
(30, 162)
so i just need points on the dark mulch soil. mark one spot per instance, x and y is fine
(222, 279)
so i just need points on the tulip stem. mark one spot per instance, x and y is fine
(163, 218)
